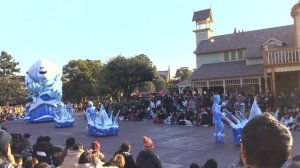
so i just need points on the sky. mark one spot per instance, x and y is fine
(64, 30)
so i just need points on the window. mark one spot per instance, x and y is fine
(240, 54)
(233, 55)
(226, 56)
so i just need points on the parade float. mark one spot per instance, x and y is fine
(100, 123)
(44, 95)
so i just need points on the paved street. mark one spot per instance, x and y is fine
(177, 146)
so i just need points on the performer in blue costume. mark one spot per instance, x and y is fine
(217, 120)
(99, 123)
(240, 120)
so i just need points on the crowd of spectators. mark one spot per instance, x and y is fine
(185, 109)
(260, 148)
(16, 151)
(195, 109)
(11, 112)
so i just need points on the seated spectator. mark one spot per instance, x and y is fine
(160, 117)
(125, 151)
(181, 118)
(296, 126)
(24, 145)
(56, 155)
(89, 159)
(194, 165)
(205, 121)
(95, 148)
(6, 158)
(18, 159)
(42, 165)
(42, 150)
(72, 156)
(210, 163)
(118, 161)
(70, 142)
(146, 158)
(265, 142)
(295, 163)
(286, 120)
(28, 164)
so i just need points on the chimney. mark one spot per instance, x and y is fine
(295, 13)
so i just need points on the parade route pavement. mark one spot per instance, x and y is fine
(177, 146)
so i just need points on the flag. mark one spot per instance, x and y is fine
(255, 110)
(276, 113)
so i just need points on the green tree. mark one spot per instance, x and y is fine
(159, 83)
(80, 79)
(147, 86)
(12, 88)
(182, 74)
(124, 75)
(8, 65)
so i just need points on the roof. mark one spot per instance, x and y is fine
(163, 73)
(251, 41)
(184, 83)
(201, 15)
(227, 70)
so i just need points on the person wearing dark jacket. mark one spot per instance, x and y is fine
(125, 151)
(147, 158)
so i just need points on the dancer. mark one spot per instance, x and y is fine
(240, 120)
(217, 120)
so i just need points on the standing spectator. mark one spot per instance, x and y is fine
(146, 158)
(265, 142)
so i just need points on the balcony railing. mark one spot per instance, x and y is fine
(282, 56)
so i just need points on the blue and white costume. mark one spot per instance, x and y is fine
(217, 120)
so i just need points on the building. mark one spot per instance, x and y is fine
(166, 75)
(251, 61)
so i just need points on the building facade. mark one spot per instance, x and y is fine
(256, 61)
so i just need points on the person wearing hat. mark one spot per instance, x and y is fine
(147, 158)
(7, 160)
(95, 148)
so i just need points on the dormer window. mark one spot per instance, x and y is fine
(234, 55)
(272, 44)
